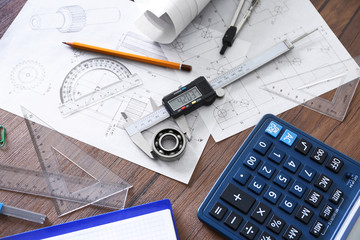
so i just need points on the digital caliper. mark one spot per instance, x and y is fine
(183, 101)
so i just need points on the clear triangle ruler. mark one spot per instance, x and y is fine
(68, 175)
(336, 75)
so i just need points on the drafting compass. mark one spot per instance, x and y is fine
(233, 30)
(197, 93)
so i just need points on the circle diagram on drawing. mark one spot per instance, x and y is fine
(27, 75)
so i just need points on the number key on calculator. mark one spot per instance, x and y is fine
(284, 184)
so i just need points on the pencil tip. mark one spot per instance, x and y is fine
(66, 43)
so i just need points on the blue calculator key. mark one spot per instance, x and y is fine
(336, 196)
(241, 176)
(249, 230)
(288, 204)
(314, 198)
(323, 182)
(218, 211)
(273, 129)
(256, 185)
(327, 212)
(335, 164)
(292, 164)
(266, 236)
(276, 224)
(303, 146)
(251, 161)
(266, 170)
(233, 221)
(307, 173)
(317, 228)
(272, 195)
(304, 214)
(298, 189)
(319, 155)
(282, 179)
(288, 137)
(292, 233)
(261, 212)
(276, 155)
(237, 198)
(262, 145)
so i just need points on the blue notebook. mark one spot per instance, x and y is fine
(149, 221)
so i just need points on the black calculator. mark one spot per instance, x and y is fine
(284, 184)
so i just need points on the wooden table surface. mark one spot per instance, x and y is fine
(343, 17)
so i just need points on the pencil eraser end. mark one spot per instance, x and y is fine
(186, 68)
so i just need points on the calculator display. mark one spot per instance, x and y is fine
(185, 98)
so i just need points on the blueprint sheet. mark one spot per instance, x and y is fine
(51, 79)
(163, 20)
(315, 58)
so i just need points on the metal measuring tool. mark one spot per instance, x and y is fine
(97, 185)
(22, 214)
(337, 106)
(197, 93)
(233, 30)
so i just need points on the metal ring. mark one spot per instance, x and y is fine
(169, 144)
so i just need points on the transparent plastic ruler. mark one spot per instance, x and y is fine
(336, 75)
(60, 161)
(80, 91)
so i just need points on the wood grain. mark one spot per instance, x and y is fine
(343, 17)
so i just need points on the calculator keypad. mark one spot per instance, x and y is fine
(282, 185)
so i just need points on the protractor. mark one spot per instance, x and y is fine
(93, 81)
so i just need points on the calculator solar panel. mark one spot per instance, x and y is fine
(284, 184)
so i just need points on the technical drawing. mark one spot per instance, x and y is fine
(73, 18)
(134, 106)
(135, 109)
(209, 26)
(208, 29)
(295, 70)
(238, 104)
(224, 112)
(314, 46)
(139, 44)
(77, 54)
(302, 87)
(93, 81)
(201, 29)
(268, 11)
(30, 75)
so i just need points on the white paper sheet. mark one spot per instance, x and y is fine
(156, 226)
(272, 21)
(42, 74)
(163, 20)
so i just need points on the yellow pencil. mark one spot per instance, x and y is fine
(130, 56)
